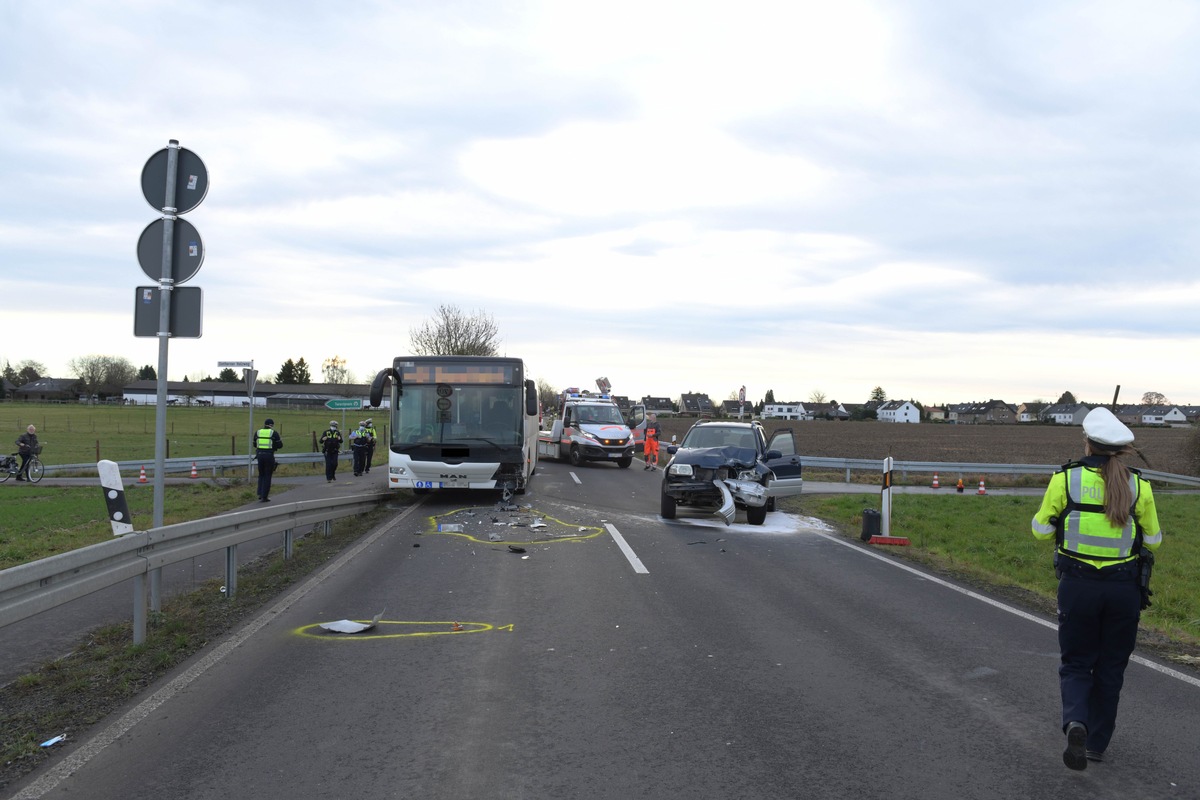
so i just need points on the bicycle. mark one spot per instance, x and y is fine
(11, 465)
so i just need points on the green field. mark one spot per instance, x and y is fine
(78, 434)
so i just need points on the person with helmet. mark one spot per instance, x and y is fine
(331, 446)
(266, 442)
(370, 454)
(358, 447)
(1102, 516)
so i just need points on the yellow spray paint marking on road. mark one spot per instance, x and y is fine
(476, 525)
(406, 629)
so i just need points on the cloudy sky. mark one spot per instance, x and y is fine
(953, 201)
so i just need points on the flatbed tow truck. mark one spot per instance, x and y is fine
(588, 427)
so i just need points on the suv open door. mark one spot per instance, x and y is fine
(784, 461)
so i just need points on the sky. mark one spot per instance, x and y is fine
(951, 201)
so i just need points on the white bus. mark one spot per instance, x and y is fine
(460, 422)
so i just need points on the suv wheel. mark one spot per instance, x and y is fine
(668, 506)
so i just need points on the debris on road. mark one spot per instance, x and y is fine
(350, 626)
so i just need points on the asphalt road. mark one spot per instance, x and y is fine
(623, 656)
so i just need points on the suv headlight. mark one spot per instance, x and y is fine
(680, 469)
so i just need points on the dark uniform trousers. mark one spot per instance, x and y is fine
(1098, 613)
(266, 465)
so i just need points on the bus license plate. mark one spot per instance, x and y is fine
(427, 484)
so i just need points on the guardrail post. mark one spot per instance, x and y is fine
(328, 527)
(287, 544)
(230, 571)
(139, 609)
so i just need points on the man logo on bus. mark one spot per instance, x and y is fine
(450, 475)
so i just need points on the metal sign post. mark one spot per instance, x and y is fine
(160, 187)
(250, 376)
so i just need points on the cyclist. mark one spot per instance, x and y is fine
(27, 445)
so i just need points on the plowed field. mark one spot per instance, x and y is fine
(1164, 448)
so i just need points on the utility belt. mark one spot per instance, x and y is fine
(1066, 565)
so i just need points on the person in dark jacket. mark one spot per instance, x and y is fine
(27, 444)
(331, 445)
(266, 442)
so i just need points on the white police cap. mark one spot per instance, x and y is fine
(1102, 427)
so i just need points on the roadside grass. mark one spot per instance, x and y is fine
(67, 695)
(41, 520)
(986, 541)
(81, 434)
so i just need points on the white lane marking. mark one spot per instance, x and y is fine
(636, 562)
(116, 730)
(575, 478)
(997, 604)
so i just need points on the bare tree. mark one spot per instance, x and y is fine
(817, 397)
(453, 333)
(1155, 399)
(108, 374)
(335, 371)
(547, 396)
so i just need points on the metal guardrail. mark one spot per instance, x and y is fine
(29, 589)
(204, 464)
(848, 465)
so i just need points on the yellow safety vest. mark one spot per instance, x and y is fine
(1085, 531)
(263, 439)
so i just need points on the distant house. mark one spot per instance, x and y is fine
(1030, 412)
(785, 411)
(1162, 415)
(49, 390)
(898, 411)
(658, 404)
(693, 404)
(936, 414)
(270, 395)
(993, 411)
(1065, 413)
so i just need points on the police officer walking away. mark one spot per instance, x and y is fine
(371, 434)
(358, 447)
(331, 445)
(1104, 521)
(266, 442)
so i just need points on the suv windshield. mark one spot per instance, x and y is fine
(719, 436)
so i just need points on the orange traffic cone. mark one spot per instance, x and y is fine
(981, 489)
(959, 487)
(935, 482)
(194, 475)
(142, 477)
(456, 627)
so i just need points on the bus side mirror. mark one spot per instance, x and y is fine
(381, 379)
(531, 398)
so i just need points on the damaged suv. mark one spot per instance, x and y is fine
(723, 466)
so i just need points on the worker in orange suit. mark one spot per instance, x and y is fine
(650, 445)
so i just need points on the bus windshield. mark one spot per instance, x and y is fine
(442, 414)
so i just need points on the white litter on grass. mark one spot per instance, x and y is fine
(350, 626)
(62, 737)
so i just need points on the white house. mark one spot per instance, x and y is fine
(785, 411)
(1163, 415)
(898, 411)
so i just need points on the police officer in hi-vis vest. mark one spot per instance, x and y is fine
(331, 445)
(371, 436)
(266, 442)
(1102, 516)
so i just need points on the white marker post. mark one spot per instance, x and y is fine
(114, 497)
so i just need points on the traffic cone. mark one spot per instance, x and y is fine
(142, 477)
(959, 487)
(194, 475)
(981, 489)
(456, 627)
(935, 482)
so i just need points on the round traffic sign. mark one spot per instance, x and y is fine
(191, 182)
(187, 251)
